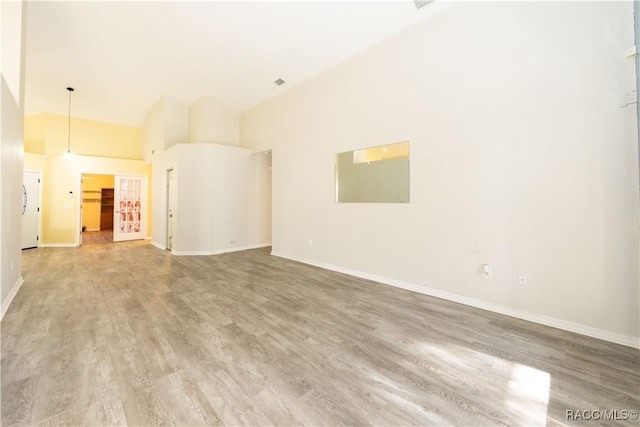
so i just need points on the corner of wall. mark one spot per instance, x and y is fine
(6, 302)
(211, 122)
(175, 122)
(197, 121)
(153, 132)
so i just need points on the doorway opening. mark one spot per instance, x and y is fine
(113, 208)
(97, 209)
(260, 199)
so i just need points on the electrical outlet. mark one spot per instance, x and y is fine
(522, 279)
(486, 271)
(310, 242)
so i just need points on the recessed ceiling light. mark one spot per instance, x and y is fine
(279, 82)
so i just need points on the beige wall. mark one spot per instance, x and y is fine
(61, 195)
(35, 133)
(49, 134)
(521, 158)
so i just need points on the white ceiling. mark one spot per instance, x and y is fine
(121, 57)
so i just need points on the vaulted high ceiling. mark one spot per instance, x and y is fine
(121, 57)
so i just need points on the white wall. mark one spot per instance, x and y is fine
(12, 143)
(212, 123)
(162, 161)
(521, 157)
(198, 121)
(170, 122)
(212, 203)
(176, 122)
(12, 46)
(165, 125)
(153, 132)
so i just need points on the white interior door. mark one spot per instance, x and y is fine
(30, 209)
(130, 208)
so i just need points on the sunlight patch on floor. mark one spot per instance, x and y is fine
(529, 393)
(524, 390)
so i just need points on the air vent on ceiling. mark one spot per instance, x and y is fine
(279, 82)
(422, 3)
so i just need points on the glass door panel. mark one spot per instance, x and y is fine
(130, 208)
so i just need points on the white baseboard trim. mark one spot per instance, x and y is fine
(158, 245)
(191, 253)
(220, 251)
(241, 248)
(566, 325)
(12, 294)
(92, 229)
(57, 245)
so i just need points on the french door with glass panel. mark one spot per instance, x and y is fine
(130, 208)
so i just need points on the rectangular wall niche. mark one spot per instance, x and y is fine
(373, 175)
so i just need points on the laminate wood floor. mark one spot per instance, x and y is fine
(97, 237)
(127, 334)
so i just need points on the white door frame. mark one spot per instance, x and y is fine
(79, 202)
(80, 214)
(169, 212)
(41, 182)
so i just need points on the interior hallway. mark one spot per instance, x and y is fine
(128, 334)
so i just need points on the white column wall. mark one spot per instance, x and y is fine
(212, 201)
(11, 149)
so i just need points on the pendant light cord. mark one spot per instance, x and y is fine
(70, 89)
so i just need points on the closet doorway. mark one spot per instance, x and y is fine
(97, 208)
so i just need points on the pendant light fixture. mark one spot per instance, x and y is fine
(68, 154)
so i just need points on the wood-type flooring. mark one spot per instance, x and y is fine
(127, 334)
(97, 237)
